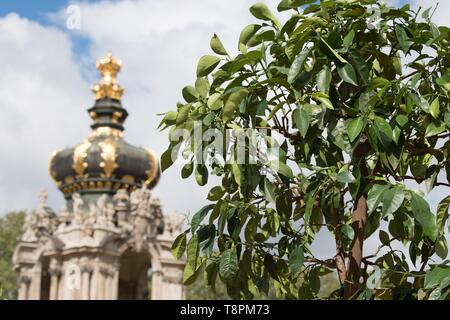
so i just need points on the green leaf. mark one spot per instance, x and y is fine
(424, 216)
(217, 46)
(261, 11)
(179, 246)
(345, 177)
(199, 216)
(337, 55)
(237, 174)
(269, 191)
(447, 119)
(348, 232)
(183, 113)
(434, 277)
(374, 279)
(441, 248)
(392, 200)
(166, 159)
(187, 170)
(375, 196)
(444, 81)
(216, 193)
(296, 259)
(401, 120)
(403, 39)
(434, 108)
(354, 128)
(434, 128)
(232, 102)
(384, 237)
(301, 120)
(192, 252)
(297, 65)
(324, 79)
(248, 32)
(348, 74)
(348, 40)
(206, 65)
(201, 174)
(190, 94)
(202, 87)
(323, 99)
(189, 274)
(384, 131)
(442, 214)
(228, 266)
(282, 168)
(215, 102)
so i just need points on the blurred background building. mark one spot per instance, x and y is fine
(110, 239)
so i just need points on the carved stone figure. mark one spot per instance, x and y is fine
(78, 213)
(30, 227)
(122, 205)
(64, 218)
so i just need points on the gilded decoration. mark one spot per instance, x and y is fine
(108, 87)
(106, 131)
(153, 171)
(108, 155)
(79, 158)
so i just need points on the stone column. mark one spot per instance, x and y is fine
(115, 283)
(24, 284)
(34, 288)
(55, 274)
(171, 282)
(102, 276)
(157, 282)
(94, 282)
(86, 272)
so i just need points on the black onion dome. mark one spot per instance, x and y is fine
(105, 162)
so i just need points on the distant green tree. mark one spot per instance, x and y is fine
(359, 91)
(10, 230)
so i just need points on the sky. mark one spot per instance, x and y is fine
(47, 70)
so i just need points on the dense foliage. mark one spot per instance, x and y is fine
(10, 231)
(360, 93)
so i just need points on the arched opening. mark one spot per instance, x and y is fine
(45, 279)
(134, 275)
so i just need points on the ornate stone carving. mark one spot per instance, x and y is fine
(173, 223)
(78, 213)
(64, 218)
(30, 227)
(122, 206)
(41, 222)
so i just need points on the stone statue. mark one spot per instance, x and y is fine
(122, 205)
(64, 218)
(173, 224)
(30, 227)
(100, 215)
(110, 215)
(43, 196)
(78, 209)
(156, 215)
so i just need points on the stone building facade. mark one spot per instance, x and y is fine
(111, 239)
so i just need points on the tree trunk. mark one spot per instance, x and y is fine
(359, 217)
(355, 257)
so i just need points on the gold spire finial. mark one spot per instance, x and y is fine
(108, 87)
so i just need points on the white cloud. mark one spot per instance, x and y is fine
(42, 103)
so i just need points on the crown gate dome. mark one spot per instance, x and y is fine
(104, 162)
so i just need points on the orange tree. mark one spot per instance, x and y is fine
(359, 92)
